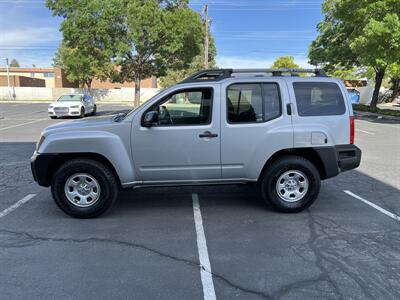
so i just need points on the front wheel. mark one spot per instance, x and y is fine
(291, 184)
(82, 114)
(84, 188)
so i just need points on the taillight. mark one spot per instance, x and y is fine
(351, 130)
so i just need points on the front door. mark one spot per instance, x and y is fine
(184, 145)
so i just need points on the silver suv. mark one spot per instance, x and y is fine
(271, 127)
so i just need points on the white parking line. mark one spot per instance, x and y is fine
(364, 131)
(16, 205)
(205, 267)
(384, 211)
(18, 125)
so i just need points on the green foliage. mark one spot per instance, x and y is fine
(358, 33)
(90, 37)
(285, 62)
(174, 76)
(127, 40)
(159, 36)
(14, 63)
(394, 71)
(344, 73)
(379, 43)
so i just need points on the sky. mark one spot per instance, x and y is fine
(248, 34)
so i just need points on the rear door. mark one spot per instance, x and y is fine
(254, 125)
(320, 112)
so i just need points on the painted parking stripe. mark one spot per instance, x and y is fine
(364, 131)
(18, 125)
(16, 205)
(384, 211)
(205, 267)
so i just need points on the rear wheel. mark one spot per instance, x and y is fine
(84, 188)
(291, 184)
(53, 117)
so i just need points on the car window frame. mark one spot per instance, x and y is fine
(320, 115)
(262, 98)
(175, 92)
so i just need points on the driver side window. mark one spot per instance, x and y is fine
(185, 108)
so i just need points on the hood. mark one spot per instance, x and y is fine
(65, 103)
(90, 123)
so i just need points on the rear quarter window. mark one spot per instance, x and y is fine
(319, 99)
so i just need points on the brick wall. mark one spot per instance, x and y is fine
(22, 81)
(61, 81)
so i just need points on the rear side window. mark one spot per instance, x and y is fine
(253, 102)
(319, 99)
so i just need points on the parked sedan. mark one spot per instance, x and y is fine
(72, 105)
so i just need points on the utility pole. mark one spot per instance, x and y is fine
(206, 41)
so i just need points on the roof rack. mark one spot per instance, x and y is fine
(220, 74)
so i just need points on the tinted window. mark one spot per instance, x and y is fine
(252, 103)
(319, 99)
(192, 107)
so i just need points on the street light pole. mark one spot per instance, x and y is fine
(8, 77)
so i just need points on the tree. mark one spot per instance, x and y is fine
(285, 62)
(57, 61)
(160, 35)
(14, 63)
(345, 73)
(174, 76)
(358, 33)
(90, 37)
(394, 73)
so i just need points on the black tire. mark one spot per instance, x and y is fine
(82, 114)
(94, 110)
(53, 117)
(104, 176)
(278, 168)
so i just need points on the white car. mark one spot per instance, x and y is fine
(72, 105)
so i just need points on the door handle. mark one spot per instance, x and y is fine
(208, 134)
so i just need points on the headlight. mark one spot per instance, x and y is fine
(40, 142)
(51, 106)
(75, 106)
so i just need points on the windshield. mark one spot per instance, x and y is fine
(70, 98)
(136, 108)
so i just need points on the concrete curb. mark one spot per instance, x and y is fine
(374, 116)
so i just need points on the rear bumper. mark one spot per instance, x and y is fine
(41, 165)
(338, 159)
(349, 157)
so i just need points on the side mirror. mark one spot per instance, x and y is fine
(150, 119)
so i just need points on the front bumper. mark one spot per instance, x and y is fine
(66, 112)
(41, 166)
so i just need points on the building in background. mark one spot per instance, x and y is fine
(55, 77)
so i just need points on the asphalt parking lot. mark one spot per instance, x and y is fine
(346, 246)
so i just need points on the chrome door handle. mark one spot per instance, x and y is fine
(208, 134)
